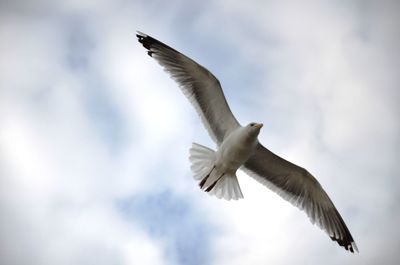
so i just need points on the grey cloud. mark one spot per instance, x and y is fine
(79, 99)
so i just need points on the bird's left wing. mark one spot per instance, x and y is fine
(198, 84)
(299, 187)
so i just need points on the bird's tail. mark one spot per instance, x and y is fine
(210, 180)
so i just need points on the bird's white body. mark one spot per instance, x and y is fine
(238, 146)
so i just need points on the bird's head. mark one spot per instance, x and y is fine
(254, 128)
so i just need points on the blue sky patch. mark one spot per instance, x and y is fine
(173, 219)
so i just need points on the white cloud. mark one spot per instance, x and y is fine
(326, 82)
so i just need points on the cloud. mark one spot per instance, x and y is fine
(185, 231)
(94, 137)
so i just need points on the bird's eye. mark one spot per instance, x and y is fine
(252, 124)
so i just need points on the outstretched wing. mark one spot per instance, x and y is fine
(299, 187)
(198, 84)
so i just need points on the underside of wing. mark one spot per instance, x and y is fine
(198, 84)
(299, 187)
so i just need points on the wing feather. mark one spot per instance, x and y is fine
(198, 84)
(299, 187)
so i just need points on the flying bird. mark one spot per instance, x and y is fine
(238, 147)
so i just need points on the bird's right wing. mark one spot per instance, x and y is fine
(198, 84)
(300, 188)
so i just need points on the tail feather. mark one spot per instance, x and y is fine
(202, 159)
(228, 188)
(211, 181)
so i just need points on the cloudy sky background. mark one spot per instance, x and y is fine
(94, 136)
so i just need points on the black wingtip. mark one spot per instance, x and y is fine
(151, 44)
(349, 245)
(140, 34)
(144, 40)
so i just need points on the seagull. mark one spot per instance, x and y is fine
(238, 147)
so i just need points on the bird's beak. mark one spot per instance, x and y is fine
(259, 125)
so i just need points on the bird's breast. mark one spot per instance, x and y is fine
(233, 152)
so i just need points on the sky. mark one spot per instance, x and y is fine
(94, 136)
